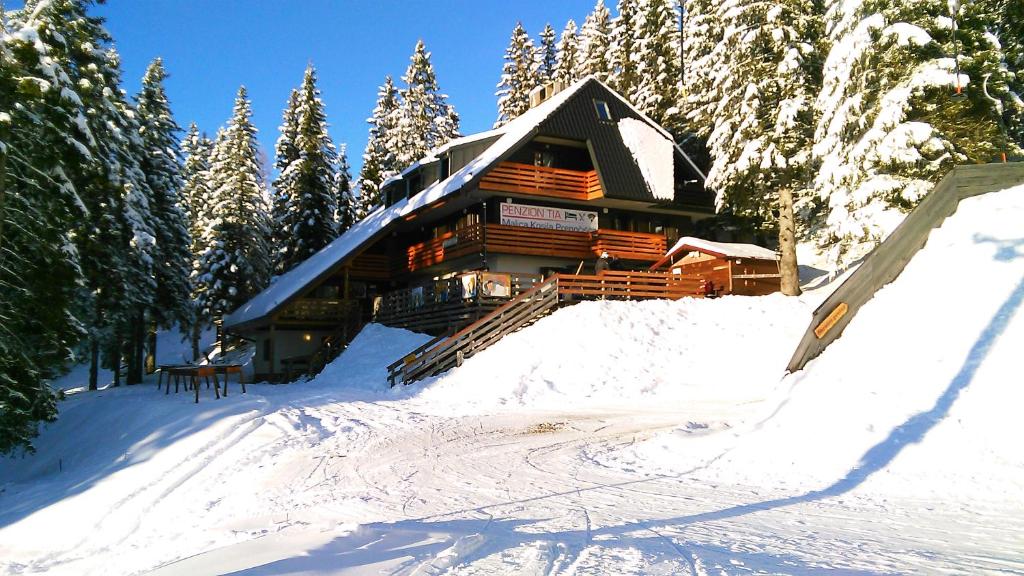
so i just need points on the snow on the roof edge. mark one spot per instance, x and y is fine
(726, 249)
(293, 281)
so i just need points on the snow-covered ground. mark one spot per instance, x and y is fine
(608, 438)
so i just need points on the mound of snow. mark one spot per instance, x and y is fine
(599, 354)
(363, 365)
(920, 396)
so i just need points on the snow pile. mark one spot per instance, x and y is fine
(363, 365)
(652, 152)
(727, 249)
(599, 355)
(919, 397)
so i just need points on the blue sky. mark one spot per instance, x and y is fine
(210, 47)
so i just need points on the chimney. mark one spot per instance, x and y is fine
(544, 92)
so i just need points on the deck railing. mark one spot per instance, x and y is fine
(543, 181)
(505, 239)
(320, 310)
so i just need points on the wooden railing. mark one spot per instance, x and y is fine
(534, 242)
(444, 354)
(630, 245)
(446, 247)
(371, 266)
(543, 181)
(320, 310)
(616, 285)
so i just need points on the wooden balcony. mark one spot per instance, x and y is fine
(319, 310)
(543, 181)
(534, 242)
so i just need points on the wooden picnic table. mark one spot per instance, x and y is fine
(194, 374)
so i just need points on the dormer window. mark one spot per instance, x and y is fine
(603, 112)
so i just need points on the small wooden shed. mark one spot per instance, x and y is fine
(744, 269)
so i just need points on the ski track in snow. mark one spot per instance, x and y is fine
(804, 476)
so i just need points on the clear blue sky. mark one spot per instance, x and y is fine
(210, 47)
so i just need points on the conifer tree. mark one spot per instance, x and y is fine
(703, 59)
(518, 77)
(547, 56)
(890, 122)
(595, 43)
(43, 136)
(161, 164)
(347, 205)
(379, 158)
(623, 73)
(658, 89)
(285, 153)
(763, 118)
(196, 196)
(306, 185)
(236, 264)
(425, 119)
(567, 68)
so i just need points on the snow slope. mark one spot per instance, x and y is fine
(672, 445)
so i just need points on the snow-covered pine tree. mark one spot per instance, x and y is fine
(236, 264)
(595, 43)
(761, 141)
(623, 60)
(518, 77)
(567, 68)
(285, 152)
(307, 183)
(196, 196)
(161, 164)
(890, 122)
(42, 137)
(659, 86)
(115, 239)
(379, 157)
(546, 56)
(425, 119)
(347, 206)
(703, 57)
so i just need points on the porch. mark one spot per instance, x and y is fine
(498, 238)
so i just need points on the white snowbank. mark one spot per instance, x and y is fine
(599, 355)
(919, 397)
(652, 152)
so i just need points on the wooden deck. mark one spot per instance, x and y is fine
(445, 353)
(543, 181)
(502, 239)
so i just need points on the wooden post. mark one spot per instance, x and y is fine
(346, 292)
(272, 346)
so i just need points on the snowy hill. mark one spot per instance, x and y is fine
(627, 438)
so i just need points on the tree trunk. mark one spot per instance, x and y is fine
(116, 353)
(195, 341)
(3, 184)
(136, 350)
(94, 363)
(787, 244)
(151, 348)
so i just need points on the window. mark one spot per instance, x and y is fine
(603, 112)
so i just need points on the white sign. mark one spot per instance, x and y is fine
(548, 218)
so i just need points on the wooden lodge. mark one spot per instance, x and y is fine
(485, 219)
(727, 268)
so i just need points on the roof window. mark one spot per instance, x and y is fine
(603, 112)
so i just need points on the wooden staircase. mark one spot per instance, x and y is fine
(446, 352)
(335, 344)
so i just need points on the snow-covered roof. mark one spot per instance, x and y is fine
(291, 284)
(720, 249)
(434, 153)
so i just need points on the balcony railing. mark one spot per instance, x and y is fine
(543, 181)
(319, 310)
(534, 242)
